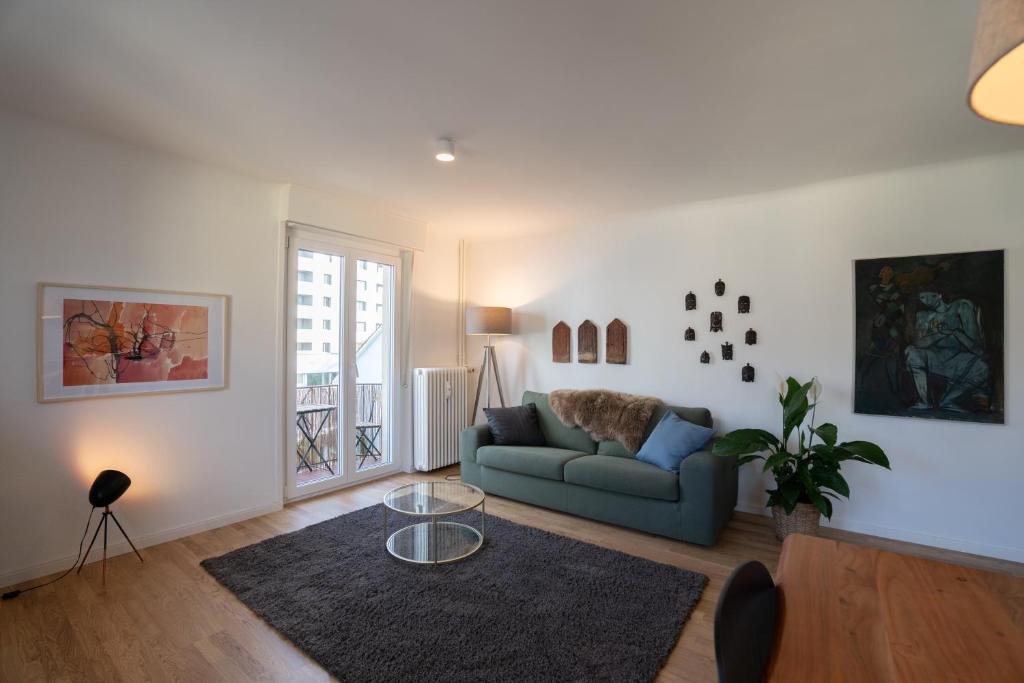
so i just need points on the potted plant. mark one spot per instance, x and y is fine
(808, 475)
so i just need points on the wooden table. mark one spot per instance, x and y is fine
(853, 613)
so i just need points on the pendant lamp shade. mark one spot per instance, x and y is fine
(489, 320)
(997, 63)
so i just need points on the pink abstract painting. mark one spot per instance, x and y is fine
(114, 342)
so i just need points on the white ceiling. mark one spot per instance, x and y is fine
(562, 110)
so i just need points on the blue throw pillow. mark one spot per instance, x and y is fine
(672, 440)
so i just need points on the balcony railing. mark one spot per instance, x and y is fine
(368, 409)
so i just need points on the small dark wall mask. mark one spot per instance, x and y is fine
(743, 304)
(689, 335)
(747, 374)
(719, 288)
(691, 301)
(705, 357)
(716, 321)
(750, 337)
(726, 351)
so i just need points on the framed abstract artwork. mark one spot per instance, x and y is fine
(107, 341)
(929, 336)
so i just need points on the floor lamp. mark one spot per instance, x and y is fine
(107, 488)
(488, 321)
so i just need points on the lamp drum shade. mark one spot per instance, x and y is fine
(489, 320)
(997, 63)
(108, 487)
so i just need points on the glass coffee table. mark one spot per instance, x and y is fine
(434, 540)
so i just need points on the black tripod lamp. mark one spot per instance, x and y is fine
(107, 488)
(487, 321)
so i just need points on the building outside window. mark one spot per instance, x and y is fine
(324, 313)
(303, 253)
(317, 379)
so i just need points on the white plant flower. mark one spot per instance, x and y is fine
(816, 390)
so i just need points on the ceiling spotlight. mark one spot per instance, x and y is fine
(445, 150)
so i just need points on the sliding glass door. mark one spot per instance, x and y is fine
(341, 366)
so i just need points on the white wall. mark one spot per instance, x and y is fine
(353, 214)
(86, 210)
(83, 210)
(954, 485)
(435, 303)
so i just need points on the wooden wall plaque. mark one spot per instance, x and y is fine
(560, 342)
(615, 340)
(586, 342)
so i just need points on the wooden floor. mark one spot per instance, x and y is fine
(167, 620)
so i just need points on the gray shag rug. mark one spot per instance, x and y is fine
(528, 606)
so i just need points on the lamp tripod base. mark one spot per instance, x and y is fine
(489, 362)
(103, 523)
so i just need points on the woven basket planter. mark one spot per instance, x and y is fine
(803, 520)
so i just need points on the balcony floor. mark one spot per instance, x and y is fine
(304, 476)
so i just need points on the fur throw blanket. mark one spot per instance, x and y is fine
(605, 415)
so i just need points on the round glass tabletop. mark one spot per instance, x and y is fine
(433, 498)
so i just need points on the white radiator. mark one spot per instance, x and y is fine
(439, 411)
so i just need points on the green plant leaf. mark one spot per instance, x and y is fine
(828, 433)
(832, 480)
(745, 441)
(823, 504)
(790, 492)
(867, 452)
(743, 460)
(827, 454)
(794, 407)
(776, 460)
(819, 501)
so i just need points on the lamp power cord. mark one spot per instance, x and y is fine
(10, 595)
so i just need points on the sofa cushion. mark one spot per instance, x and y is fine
(535, 461)
(622, 475)
(698, 416)
(555, 433)
(672, 440)
(615, 449)
(516, 426)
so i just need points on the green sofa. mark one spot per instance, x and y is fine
(604, 481)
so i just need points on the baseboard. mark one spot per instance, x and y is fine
(144, 541)
(909, 536)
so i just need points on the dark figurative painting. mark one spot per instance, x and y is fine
(929, 336)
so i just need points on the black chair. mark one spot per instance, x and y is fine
(745, 624)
